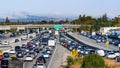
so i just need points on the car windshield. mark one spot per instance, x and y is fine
(28, 56)
(40, 64)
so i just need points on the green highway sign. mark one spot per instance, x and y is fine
(57, 26)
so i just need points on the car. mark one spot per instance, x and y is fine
(40, 59)
(1, 57)
(20, 54)
(46, 55)
(33, 54)
(101, 52)
(34, 65)
(29, 58)
(4, 63)
(118, 58)
(12, 51)
(98, 40)
(111, 55)
(17, 48)
(6, 55)
(49, 52)
(6, 43)
(40, 65)
(27, 50)
(16, 40)
(37, 50)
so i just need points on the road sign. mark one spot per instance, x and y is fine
(57, 26)
(74, 52)
(107, 43)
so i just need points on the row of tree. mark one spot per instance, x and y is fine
(90, 23)
(87, 22)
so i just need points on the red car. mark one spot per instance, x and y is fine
(1, 57)
(65, 45)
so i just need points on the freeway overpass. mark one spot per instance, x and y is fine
(23, 27)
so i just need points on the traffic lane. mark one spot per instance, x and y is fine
(30, 64)
(12, 45)
(93, 43)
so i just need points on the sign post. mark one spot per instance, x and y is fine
(74, 53)
(107, 43)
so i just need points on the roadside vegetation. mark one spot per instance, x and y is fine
(90, 61)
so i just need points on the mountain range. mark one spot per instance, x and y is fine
(25, 17)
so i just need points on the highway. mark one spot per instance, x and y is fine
(55, 60)
(93, 43)
(12, 43)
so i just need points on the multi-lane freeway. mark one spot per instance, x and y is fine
(56, 59)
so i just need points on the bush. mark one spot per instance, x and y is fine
(74, 62)
(93, 61)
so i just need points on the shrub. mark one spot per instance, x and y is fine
(93, 61)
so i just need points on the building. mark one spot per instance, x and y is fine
(104, 30)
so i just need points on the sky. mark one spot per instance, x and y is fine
(60, 7)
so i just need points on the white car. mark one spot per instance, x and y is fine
(111, 56)
(12, 52)
(40, 65)
(98, 40)
(101, 52)
(27, 50)
(29, 58)
(46, 55)
(6, 43)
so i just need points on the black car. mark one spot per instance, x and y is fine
(16, 40)
(4, 63)
(37, 50)
(6, 55)
(20, 54)
(17, 48)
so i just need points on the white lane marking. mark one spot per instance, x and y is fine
(24, 64)
(52, 57)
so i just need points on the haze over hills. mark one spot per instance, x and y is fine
(26, 17)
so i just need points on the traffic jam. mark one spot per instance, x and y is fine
(82, 49)
(38, 49)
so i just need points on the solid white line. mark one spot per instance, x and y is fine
(24, 64)
(52, 57)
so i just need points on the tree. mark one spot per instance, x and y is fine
(7, 21)
(93, 61)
